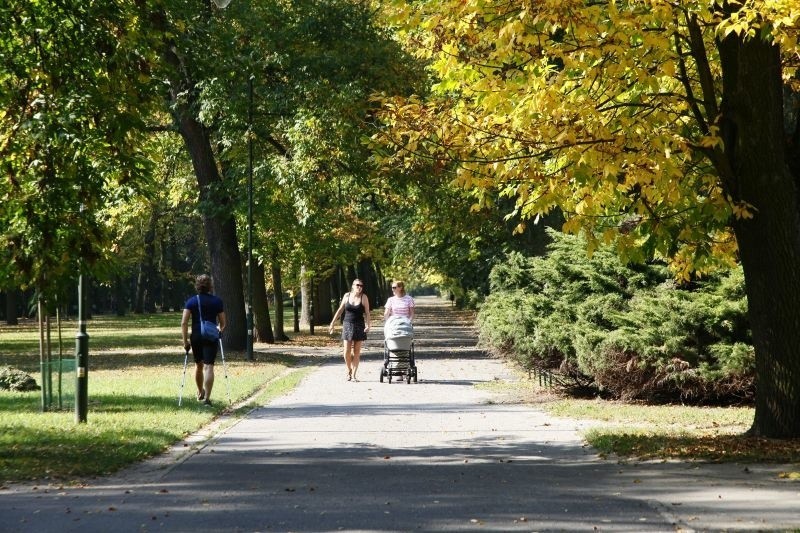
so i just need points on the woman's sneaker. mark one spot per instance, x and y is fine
(207, 402)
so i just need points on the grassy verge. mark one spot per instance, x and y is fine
(660, 432)
(135, 375)
(133, 414)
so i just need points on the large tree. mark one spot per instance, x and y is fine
(73, 99)
(293, 80)
(193, 55)
(656, 125)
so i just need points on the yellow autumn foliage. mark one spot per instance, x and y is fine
(597, 108)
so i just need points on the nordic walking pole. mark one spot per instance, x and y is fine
(183, 379)
(225, 371)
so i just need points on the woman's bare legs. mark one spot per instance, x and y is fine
(347, 346)
(356, 355)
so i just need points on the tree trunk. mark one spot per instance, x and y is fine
(295, 313)
(323, 314)
(262, 331)
(340, 282)
(368, 275)
(120, 295)
(755, 170)
(305, 297)
(277, 286)
(146, 278)
(12, 314)
(382, 291)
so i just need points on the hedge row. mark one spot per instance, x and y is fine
(627, 332)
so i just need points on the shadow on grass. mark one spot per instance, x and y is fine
(99, 404)
(55, 447)
(56, 453)
(30, 402)
(123, 428)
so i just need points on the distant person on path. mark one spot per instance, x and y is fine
(204, 351)
(400, 304)
(355, 306)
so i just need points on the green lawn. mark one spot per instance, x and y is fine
(136, 367)
(135, 373)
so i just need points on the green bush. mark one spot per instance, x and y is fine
(628, 331)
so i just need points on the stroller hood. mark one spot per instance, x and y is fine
(398, 327)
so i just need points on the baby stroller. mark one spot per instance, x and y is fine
(398, 350)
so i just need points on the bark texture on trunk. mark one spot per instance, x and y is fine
(755, 170)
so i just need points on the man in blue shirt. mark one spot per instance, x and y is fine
(210, 307)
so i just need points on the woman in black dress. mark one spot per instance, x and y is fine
(355, 306)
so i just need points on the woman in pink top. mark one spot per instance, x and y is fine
(400, 304)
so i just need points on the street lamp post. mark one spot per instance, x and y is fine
(222, 4)
(81, 357)
(81, 350)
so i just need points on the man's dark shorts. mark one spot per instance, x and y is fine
(203, 351)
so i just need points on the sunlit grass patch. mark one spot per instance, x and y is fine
(687, 417)
(650, 444)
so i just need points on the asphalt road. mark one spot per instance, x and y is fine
(445, 454)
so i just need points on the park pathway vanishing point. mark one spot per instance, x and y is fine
(440, 455)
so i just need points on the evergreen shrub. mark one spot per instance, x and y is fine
(627, 332)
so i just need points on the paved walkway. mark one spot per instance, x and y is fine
(440, 455)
